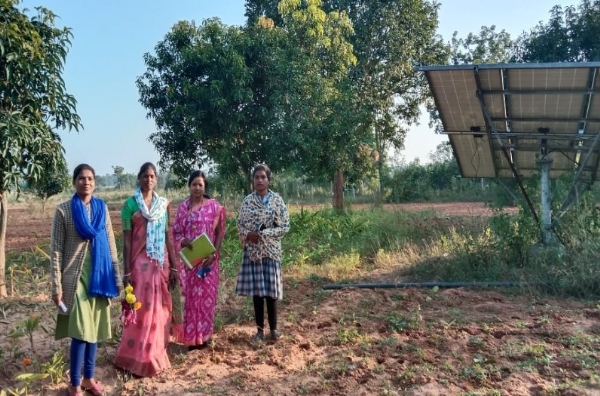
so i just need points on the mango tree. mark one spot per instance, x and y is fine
(387, 38)
(33, 103)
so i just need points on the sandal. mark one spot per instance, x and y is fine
(95, 390)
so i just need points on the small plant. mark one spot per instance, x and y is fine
(346, 336)
(411, 321)
(30, 325)
(13, 392)
(13, 337)
(29, 378)
(55, 368)
(476, 342)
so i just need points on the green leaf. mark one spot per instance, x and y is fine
(30, 377)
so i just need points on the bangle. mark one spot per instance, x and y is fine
(173, 269)
(127, 274)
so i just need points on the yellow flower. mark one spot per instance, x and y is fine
(129, 289)
(137, 305)
(26, 362)
(130, 298)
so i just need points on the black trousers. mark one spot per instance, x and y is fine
(259, 312)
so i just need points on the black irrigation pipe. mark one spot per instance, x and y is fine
(406, 285)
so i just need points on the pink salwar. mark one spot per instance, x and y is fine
(200, 294)
(143, 347)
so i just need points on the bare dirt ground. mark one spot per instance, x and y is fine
(350, 341)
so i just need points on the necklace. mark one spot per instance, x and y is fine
(197, 205)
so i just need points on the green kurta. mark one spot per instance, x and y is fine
(89, 319)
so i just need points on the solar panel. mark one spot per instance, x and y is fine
(505, 116)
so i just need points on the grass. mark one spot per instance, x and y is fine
(324, 246)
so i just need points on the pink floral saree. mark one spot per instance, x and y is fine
(200, 294)
(143, 347)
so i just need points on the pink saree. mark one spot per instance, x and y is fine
(143, 347)
(200, 294)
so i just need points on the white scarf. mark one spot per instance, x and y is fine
(155, 230)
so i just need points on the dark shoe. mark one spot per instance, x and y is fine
(207, 343)
(275, 335)
(259, 336)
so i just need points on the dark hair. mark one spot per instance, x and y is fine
(198, 173)
(262, 167)
(145, 167)
(80, 168)
(195, 174)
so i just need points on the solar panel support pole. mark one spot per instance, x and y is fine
(546, 165)
(574, 192)
(490, 126)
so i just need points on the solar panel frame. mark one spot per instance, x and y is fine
(525, 111)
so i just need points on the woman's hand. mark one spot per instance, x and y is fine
(56, 299)
(126, 281)
(187, 243)
(207, 262)
(253, 237)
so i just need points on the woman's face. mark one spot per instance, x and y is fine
(261, 181)
(197, 188)
(85, 183)
(147, 180)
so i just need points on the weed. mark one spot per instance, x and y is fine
(348, 336)
(55, 368)
(476, 342)
(13, 391)
(387, 342)
(301, 389)
(30, 325)
(410, 321)
(520, 324)
(476, 373)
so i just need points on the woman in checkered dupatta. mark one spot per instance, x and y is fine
(262, 223)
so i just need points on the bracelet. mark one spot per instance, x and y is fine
(173, 269)
(127, 274)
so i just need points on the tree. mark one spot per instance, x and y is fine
(389, 38)
(442, 153)
(489, 46)
(570, 35)
(323, 104)
(33, 103)
(51, 182)
(214, 92)
(119, 173)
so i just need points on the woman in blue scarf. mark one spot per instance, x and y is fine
(85, 276)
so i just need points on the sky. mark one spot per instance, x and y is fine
(111, 37)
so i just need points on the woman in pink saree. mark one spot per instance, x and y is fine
(196, 215)
(148, 260)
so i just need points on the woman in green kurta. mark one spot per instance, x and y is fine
(85, 276)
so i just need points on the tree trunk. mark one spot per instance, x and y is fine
(380, 172)
(3, 223)
(338, 190)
